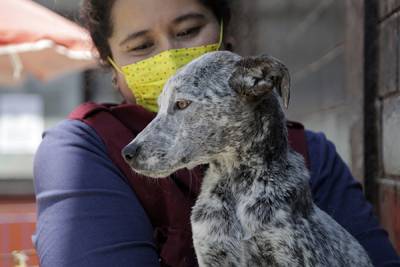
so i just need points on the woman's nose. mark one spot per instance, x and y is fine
(168, 43)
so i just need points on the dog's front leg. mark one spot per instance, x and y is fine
(216, 234)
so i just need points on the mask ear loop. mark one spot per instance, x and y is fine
(221, 34)
(114, 65)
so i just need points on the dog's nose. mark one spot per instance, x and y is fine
(130, 152)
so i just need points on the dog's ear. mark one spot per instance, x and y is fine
(255, 77)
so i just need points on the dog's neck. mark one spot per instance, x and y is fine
(264, 144)
(264, 158)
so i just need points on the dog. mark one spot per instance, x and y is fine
(255, 206)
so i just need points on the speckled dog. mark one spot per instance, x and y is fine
(255, 206)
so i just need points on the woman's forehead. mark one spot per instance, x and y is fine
(139, 15)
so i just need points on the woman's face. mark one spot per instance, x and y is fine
(144, 28)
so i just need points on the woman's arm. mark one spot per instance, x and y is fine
(337, 193)
(87, 214)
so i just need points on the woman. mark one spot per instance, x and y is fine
(87, 213)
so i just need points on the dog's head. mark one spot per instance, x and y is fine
(206, 111)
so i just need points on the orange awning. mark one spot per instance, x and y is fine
(34, 40)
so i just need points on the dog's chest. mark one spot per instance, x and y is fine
(249, 202)
(257, 212)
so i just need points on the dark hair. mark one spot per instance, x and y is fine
(96, 16)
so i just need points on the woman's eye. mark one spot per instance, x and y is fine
(188, 32)
(142, 47)
(182, 104)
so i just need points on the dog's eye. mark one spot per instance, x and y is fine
(182, 104)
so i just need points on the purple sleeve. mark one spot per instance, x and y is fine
(337, 193)
(87, 214)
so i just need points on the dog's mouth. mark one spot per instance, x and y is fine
(153, 173)
(162, 167)
(157, 173)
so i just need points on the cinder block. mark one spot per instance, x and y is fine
(386, 7)
(319, 89)
(389, 209)
(388, 55)
(297, 32)
(391, 136)
(341, 125)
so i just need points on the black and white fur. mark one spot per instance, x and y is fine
(255, 207)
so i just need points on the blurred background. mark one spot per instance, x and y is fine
(343, 56)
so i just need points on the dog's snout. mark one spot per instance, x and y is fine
(130, 152)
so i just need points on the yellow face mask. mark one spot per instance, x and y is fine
(147, 78)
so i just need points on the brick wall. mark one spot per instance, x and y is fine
(17, 225)
(387, 101)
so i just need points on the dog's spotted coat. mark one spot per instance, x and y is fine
(255, 207)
